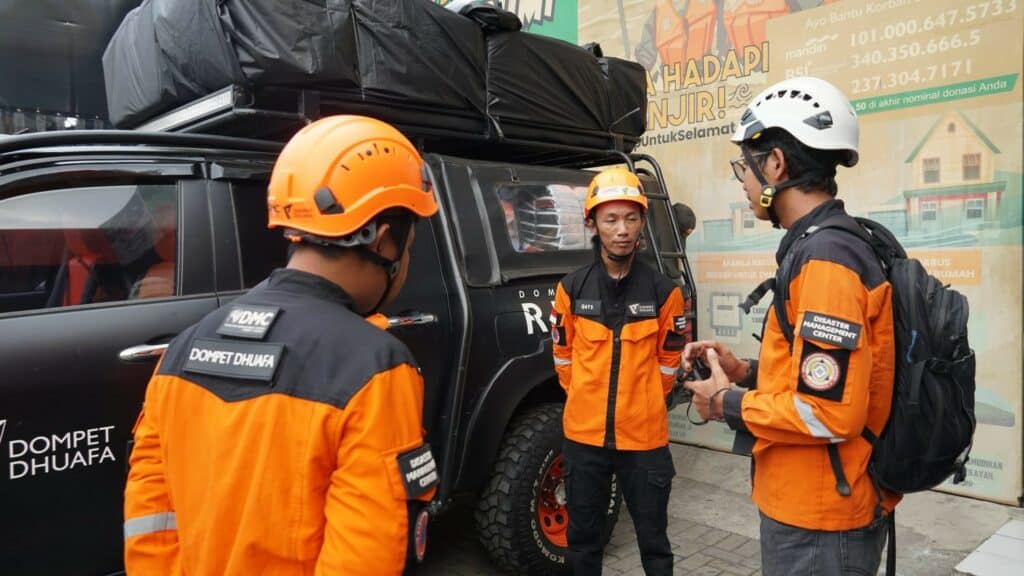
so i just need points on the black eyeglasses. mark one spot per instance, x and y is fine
(739, 165)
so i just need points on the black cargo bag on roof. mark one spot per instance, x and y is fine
(411, 51)
(627, 95)
(407, 52)
(417, 52)
(536, 83)
(166, 53)
(290, 42)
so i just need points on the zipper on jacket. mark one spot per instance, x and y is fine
(613, 389)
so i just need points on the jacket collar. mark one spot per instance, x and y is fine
(300, 282)
(819, 214)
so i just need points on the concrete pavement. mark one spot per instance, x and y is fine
(713, 527)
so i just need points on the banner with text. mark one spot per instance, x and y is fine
(937, 86)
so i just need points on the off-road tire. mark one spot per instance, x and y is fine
(506, 514)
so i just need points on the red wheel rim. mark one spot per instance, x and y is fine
(552, 514)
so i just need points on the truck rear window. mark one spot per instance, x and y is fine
(544, 217)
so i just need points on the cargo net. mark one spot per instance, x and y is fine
(545, 218)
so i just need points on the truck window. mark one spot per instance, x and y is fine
(262, 250)
(544, 218)
(69, 247)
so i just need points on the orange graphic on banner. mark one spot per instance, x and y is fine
(683, 36)
(747, 23)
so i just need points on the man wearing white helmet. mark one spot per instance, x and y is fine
(822, 385)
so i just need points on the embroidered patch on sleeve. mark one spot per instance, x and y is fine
(826, 329)
(558, 335)
(823, 372)
(419, 471)
(679, 323)
(555, 318)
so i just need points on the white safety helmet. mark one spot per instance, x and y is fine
(460, 5)
(815, 112)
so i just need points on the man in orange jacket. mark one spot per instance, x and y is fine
(818, 390)
(616, 327)
(282, 434)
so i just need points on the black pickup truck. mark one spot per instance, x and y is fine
(111, 242)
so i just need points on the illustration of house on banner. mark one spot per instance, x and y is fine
(740, 230)
(955, 183)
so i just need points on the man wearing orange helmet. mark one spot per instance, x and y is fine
(283, 432)
(616, 327)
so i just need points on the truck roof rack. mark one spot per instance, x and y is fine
(128, 139)
(275, 113)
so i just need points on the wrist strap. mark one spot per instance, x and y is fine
(711, 406)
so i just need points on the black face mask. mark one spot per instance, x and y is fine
(597, 244)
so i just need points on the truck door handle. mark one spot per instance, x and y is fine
(411, 319)
(142, 353)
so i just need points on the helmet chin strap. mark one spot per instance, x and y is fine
(391, 267)
(769, 192)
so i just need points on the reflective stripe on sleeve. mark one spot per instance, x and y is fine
(814, 426)
(562, 362)
(667, 370)
(148, 524)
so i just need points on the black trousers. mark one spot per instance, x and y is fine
(790, 551)
(646, 480)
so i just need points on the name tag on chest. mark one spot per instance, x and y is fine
(230, 359)
(587, 308)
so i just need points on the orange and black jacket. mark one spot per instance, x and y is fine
(617, 347)
(280, 435)
(836, 380)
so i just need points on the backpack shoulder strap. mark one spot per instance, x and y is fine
(783, 277)
(862, 228)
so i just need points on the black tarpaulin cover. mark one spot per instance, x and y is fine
(627, 95)
(169, 52)
(165, 53)
(538, 81)
(419, 52)
(291, 42)
(398, 56)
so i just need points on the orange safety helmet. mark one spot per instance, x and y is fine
(614, 184)
(338, 173)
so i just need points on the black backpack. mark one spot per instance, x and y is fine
(928, 435)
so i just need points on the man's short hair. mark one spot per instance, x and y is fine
(816, 168)
(401, 221)
(685, 217)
